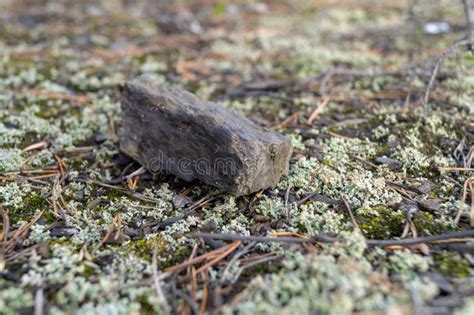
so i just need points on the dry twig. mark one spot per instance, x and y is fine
(159, 290)
(469, 12)
(196, 260)
(226, 253)
(21, 232)
(115, 223)
(450, 52)
(39, 302)
(321, 238)
(348, 207)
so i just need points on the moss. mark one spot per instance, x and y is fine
(452, 265)
(381, 222)
(427, 224)
(29, 206)
(143, 248)
(88, 272)
(145, 306)
(35, 201)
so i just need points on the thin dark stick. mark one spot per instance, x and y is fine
(192, 304)
(260, 261)
(348, 207)
(254, 263)
(119, 189)
(237, 255)
(330, 239)
(450, 52)
(287, 196)
(39, 302)
(469, 12)
(159, 290)
(324, 82)
(171, 220)
(320, 198)
(254, 238)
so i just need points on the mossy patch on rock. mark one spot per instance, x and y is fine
(381, 222)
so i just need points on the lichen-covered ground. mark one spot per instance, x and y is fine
(345, 80)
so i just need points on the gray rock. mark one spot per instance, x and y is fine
(432, 205)
(63, 231)
(170, 129)
(392, 163)
(180, 201)
(426, 187)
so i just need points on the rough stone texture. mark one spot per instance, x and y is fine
(169, 129)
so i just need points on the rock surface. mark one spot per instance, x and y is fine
(169, 129)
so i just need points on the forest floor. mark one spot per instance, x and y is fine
(81, 233)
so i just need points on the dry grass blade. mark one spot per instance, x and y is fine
(348, 207)
(205, 293)
(29, 159)
(194, 283)
(258, 260)
(61, 165)
(119, 226)
(235, 257)
(467, 184)
(318, 110)
(21, 232)
(230, 249)
(42, 176)
(43, 170)
(261, 260)
(456, 169)
(80, 99)
(196, 260)
(406, 230)
(413, 229)
(115, 223)
(293, 117)
(65, 205)
(38, 145)
(472, 204)
(55, 196)
(251, 259)
(284, 233)
(5, 224)
(132, 183)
